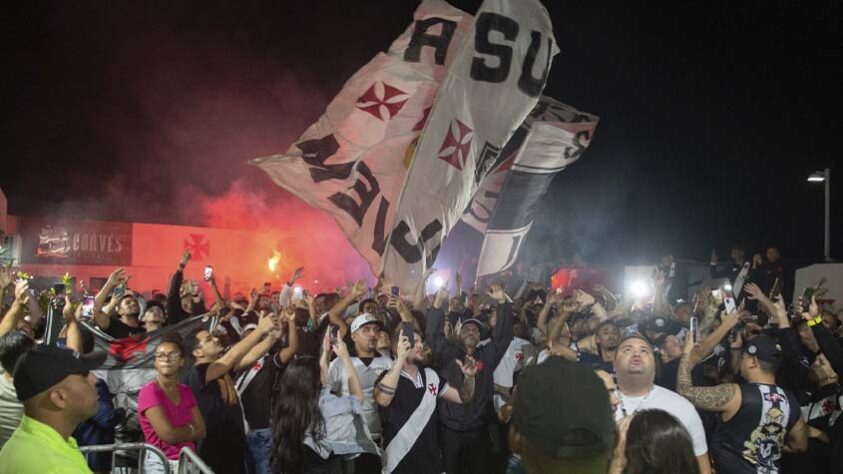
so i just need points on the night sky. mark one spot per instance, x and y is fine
(711, 117)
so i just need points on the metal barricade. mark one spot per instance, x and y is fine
(191, 463)
(142, 449)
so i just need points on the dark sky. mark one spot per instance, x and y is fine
(711, 117)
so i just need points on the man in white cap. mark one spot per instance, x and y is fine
(369, 365)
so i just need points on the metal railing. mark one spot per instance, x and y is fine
(142, 449)
(191, 463)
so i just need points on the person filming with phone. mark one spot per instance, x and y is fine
(409, 395)
(760, 420)
(368, 365)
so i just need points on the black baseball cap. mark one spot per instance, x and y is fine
(41, 368)
(764, 348)
(563, 408)
(662, 325)
(475, 322)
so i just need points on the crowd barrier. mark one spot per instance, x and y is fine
(189, 461)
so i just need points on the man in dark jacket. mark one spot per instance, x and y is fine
(466, 441)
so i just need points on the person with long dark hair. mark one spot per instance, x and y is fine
(303, 443)
(654, 442)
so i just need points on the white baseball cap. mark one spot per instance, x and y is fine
(363, 320)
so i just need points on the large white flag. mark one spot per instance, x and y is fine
(352, 163)
(554, 136)
(495, 80)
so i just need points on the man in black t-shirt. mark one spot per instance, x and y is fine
(408, 395)
(128, 309)
(760, 419)
(211, 382)
(254, 386)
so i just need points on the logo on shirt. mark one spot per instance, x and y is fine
(431, 387)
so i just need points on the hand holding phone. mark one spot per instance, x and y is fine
(410, 332)
(209, 273)
(694, 332)
(730, 304)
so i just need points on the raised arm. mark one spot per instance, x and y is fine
(15, 312)
(101, 318)
(725, 398)
(385, 389)
(71, 316)
(503, 333)
(286, 354)
(260, 349)
(341, 351)
(336, 312)
(218, 298)
(224, 364)
(435, 327)
(706, 347)
(175, 313)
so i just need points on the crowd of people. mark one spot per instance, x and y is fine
(511, 378)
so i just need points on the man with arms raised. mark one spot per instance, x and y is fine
(211, 381)
(635, 366)
(369, 365)
(467, 444)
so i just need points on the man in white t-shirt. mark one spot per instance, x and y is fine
(369, 365)
(635, 366)
(515, 358)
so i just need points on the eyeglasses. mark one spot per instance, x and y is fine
(172, 356)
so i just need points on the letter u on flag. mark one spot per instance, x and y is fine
(495, 81)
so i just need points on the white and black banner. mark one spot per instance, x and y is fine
(352, 163)
(553, 136)
(493, 84)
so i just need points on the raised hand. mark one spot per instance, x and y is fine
(185, 257)
(779, 307)
(297, 273)
(754, 292)
(22, 292)
(266, 322)
(403, 346)
(340, 349)
(116, 278)
(359, 288)
(469, 367)
(5, 276)
(70, 310)
(497, 293)
(583, 298)
(813, 308)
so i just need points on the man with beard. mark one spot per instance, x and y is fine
(760, 419)
(466, 441)
(212, 384)
(128, 309)
(608, 335)
(368, 365)
(408, 395)
(635, 366)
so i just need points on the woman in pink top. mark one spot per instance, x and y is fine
(167, 410)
